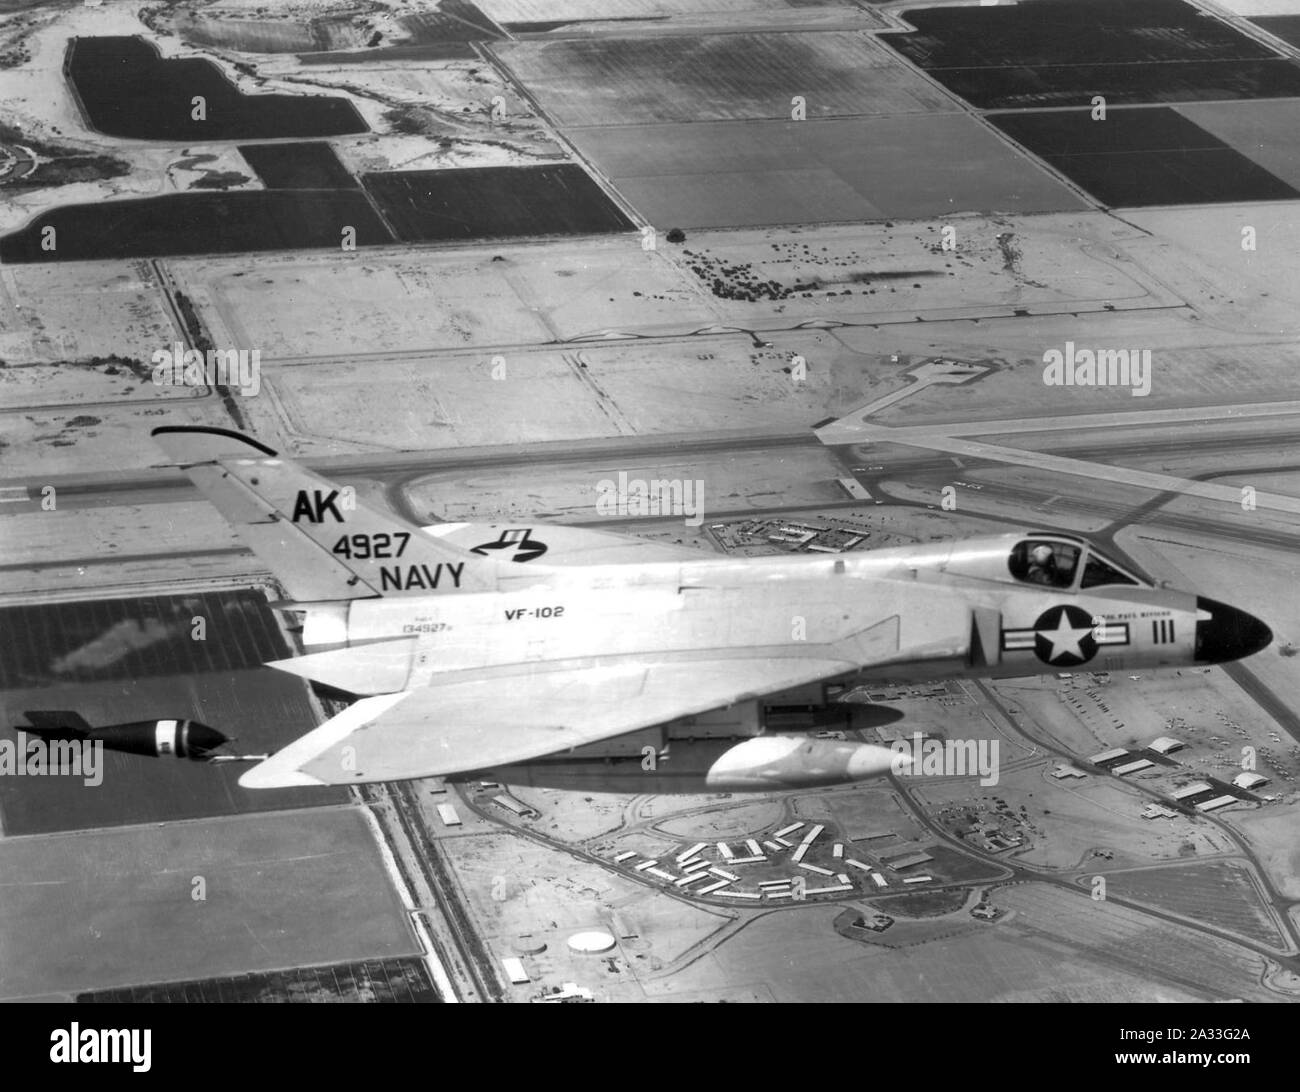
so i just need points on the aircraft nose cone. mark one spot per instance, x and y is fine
(1228, 634)
(200, 739)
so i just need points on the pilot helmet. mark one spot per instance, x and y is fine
(1041, 555)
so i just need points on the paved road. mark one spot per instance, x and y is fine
(168, 486)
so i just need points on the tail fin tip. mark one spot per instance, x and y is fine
(189, 444)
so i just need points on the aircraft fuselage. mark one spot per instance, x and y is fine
(938, 610)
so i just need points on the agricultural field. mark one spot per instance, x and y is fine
(717, 77)
(494, 203)
(371, 980)
(1264, 132)
(1065, 52)
(1286, 27)
(127, 89)
(197, 223)
(133, 638)
(280, 890)
(299, 166)
(1143, 157)
(749, 174)
(454, 21)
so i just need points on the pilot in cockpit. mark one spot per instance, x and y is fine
(1043, 568)
(1055, 564)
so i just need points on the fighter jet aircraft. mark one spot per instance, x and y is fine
(577, 658)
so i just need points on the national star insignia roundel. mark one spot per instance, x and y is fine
(1065, 636)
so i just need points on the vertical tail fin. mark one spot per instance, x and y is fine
(56, 722)
(319, 539)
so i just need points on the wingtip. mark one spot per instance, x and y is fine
(268, 775)
(285, 768)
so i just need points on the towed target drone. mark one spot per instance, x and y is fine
(154, 738)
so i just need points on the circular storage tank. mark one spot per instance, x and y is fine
(529, 946)
(591, 943)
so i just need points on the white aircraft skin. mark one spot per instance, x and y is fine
(553, 650)
(780, 601)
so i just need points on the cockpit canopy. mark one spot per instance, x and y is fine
(1064, 563)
